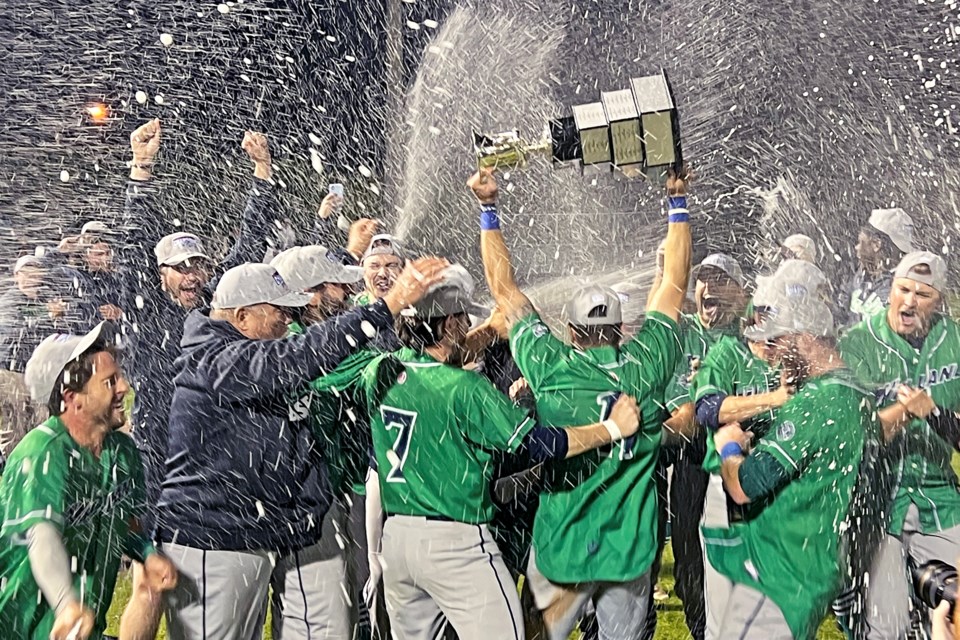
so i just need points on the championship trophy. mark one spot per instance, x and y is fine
(635, 130)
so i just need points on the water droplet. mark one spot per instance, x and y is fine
(166, 39)
(64, 176)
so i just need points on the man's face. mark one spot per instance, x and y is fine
(101, 399)
(380, 272)
(28, 280)
(720, 300)
(184, 282)
(788, 352)
(98, 256)
(868, 250)
(329, 299)
(912, 307)
(263, 321)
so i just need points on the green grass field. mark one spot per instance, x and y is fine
(670, 623)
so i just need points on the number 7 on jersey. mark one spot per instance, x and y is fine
(403, 422)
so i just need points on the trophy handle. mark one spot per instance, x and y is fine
(677, 144)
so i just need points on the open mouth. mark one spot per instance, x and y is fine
(382, 286)
(908, 318)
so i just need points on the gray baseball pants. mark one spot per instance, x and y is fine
(888, 595)
(621, 607)
(437, 571)
(750, 615)
(716, 586)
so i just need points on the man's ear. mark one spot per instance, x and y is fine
(241, 315)
(71, 397)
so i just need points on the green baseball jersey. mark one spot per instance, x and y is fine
(696, 342)
(435, 431)
(92, 502)
(884, 360)
(790, 550)
(732, 369)
(598, 514)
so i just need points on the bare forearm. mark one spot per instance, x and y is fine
(743, 408)
(893, 419)
(479, 339)
(586, 438)
(682, 424)
(730, 471)
(676, 271)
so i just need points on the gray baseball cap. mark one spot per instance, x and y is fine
(796, 278)
(896, 225)
(937, 278)
(310, 266)
(724, 263)
(587, 299)
(94, 227)
(802, 247)
(53, 354)
(27, 261)
(383, 244)
(256, 283)
(633, 302)
(179, 247)
(786, 315)
(451, 296)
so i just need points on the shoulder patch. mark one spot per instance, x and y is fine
(540, 330)
(786, 431)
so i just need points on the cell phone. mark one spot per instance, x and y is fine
(336, 188)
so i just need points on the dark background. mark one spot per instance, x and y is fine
(766, 91)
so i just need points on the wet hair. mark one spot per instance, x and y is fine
(76, 375)
(418, 334)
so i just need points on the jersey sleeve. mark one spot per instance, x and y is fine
(537, 352)
(33, 487)
(488, 419)
(715, 374)
(794, 438)
(657, 348)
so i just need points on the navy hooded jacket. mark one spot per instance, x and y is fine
(243, 471)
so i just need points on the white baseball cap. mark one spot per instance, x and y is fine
(896, 225)
(724, 263)
(178, 247)
(27, 261)
(256, 283)
(602, 302)
(310, 266)
(937, 278)
(94, 227)
(788, 314)
(52, 355)
(802, 247)
(796, 278)
(451, 296)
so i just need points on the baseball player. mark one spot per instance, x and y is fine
(72, 493)
(435, 428)
(787, 561)
(739, 381)
(910, 353)
(594, 536)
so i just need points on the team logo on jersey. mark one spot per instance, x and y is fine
(540, 330)
(402, 377)
(786, 431)
(299, 410)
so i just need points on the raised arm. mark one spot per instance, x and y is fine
(251, 243)
(496, 257)
(678, 249)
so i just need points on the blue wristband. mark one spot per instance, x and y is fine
(489, 221)
(678, 218)
(677, 202)
(730, 449)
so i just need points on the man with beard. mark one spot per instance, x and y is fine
(910, 353)
(315, 590)
(721, 300)
(802, 482)
(72, 495)
(740, 381)
(435, 427)
(882, 242)
(155, 314)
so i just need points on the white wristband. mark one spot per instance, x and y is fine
(613, 429)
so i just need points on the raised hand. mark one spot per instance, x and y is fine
(484, 186)
(258, 148)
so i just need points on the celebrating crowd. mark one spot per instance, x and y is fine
(344, 437)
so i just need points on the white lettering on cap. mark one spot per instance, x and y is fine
(598, 298)
(279, 279)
